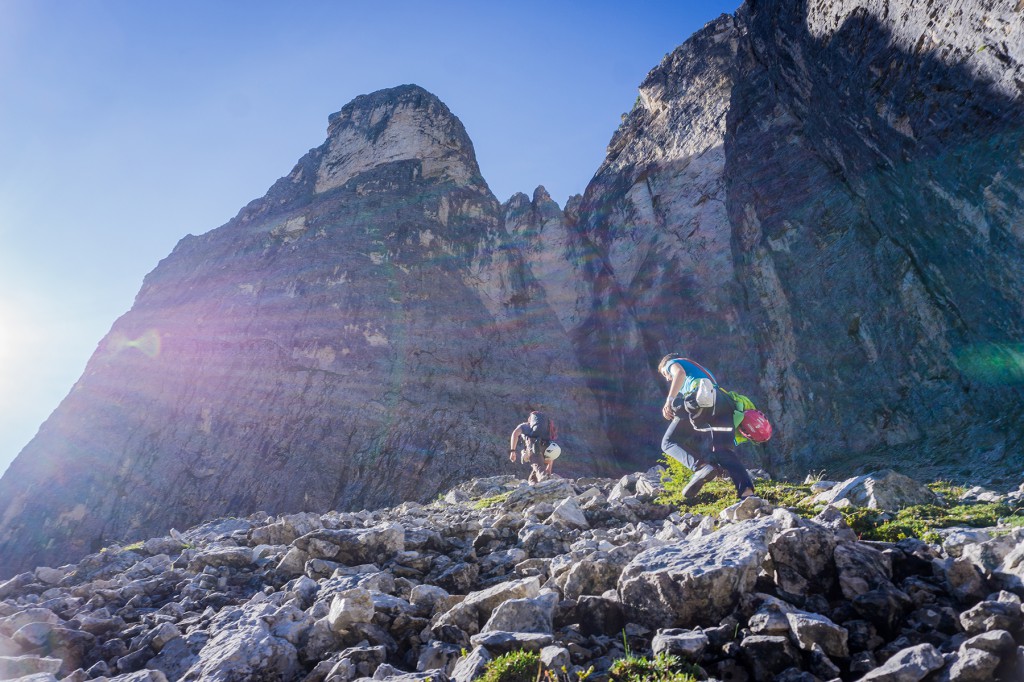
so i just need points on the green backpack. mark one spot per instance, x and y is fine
(743, 403)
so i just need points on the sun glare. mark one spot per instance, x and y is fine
(6, 339)
(14, 341)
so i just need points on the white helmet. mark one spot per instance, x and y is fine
(552, 451)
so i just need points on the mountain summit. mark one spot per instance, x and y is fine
(401, 124)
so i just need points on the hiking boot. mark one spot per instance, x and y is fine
(701, 476)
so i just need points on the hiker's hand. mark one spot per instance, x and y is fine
(512, 456)
(666, 411)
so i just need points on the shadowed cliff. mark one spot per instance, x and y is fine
(822, 203)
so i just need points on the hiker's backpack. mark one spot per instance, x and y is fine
(543, 427)
(746, 412)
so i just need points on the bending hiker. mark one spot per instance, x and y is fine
(707, 425)
(538, 433)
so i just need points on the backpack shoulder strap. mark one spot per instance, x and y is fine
(698, 366)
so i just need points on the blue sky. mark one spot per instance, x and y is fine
(125, 125)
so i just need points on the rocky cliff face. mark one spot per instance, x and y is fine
(346, 340)
(875, 177)
(822, 201)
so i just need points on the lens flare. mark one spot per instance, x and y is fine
(148, 343)
(6, 342)
(994, 363)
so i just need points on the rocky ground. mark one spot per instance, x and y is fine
(577, 570)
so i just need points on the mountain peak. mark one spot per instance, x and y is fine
(396, 124)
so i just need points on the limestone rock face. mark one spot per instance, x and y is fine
(551, 248)
(404, 124)
(326, 348)
(822, 203)
(878, 243)
(655, 213)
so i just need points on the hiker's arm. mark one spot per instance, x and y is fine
(678, 377)
(514, 441)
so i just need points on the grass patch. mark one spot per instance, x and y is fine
(713, 498)
(515, 666)
(494, 500)
(918, 521)
(923, 520)
(1015, 521)
(662, 668)
(947, 491)
(720, 493)
(789, 495)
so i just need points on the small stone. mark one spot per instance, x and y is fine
(973, 665)
(998, 642)
(555, 658)
(524, 615)
(987, 616)
(19, 666)
(424, 597)
(687, 644)
(768, 655)
(163, 634)
(809, 629)
(911, 663)
(498, 643)
(350, 607)
(568, 514)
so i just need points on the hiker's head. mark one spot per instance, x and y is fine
(663, 365)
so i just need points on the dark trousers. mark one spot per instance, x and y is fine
(694, 449)
(533, 455)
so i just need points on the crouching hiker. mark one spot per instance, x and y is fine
(538, 433)
(707, 425)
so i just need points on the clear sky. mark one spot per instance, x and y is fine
(127, 124)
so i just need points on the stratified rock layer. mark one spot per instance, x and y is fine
(345, 341)
(822, 202)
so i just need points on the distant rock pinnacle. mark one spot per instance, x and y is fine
(397, 124)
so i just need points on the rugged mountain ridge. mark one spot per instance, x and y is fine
(820, 200)
(361, 334)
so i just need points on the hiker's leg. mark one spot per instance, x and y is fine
(537, 474)
(697, 481)
(737, 472)
(671, 447)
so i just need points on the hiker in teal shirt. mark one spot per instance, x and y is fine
(702, 435)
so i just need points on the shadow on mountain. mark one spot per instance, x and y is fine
(876, 196)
